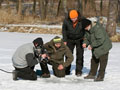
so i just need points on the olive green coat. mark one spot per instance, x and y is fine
(99, 40)
(57, 55)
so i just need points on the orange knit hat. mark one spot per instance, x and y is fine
(73, 14)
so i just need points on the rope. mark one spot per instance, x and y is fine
(5, 71)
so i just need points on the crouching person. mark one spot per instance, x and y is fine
(26, 57)
(97, 40)
(57, 51)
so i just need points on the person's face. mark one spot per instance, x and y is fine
(88, 28)
(74, 19)
(58, 45)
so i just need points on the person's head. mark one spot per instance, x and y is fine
(57, 42)
(73, 14)
(86, 24)
(38, 43)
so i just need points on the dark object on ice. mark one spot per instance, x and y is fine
(14, 74)
(39, 72)
(45, 75)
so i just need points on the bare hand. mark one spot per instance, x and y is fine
(44, 55)
(48, 57)
(60, 67)
(89, 47)
(65, 43)
(84, 45)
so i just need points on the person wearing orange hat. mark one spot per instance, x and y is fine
(73, 34)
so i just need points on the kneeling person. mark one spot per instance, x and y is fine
(57, 51)
(26, 57)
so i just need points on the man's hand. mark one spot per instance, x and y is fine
(65, 43)
(84, 45)
(44, 56)
(89, 47)
(60, 67)
(48, 57)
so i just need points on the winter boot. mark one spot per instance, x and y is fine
(45, 75)
(89, 77)
(14, 74)
(98, 79)
(78, 74)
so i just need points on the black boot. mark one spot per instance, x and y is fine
(98, 79)
(67, 70)
(78, 74)
(45, 75)
(89, 77)
(15, 74)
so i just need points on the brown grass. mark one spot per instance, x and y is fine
(7, 17)
(34, 30)
(13, 18)
(115, 38)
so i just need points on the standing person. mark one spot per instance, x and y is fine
(57, 51)
(97, 40)
(73, 36)
(26, 57)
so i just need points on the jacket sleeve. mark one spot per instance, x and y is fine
(31, 60)
(99, 38)
(69, 57)
(48, 48)
(64, 33)
(86, 39)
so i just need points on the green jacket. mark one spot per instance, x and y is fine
(99, 40)
(57, 55)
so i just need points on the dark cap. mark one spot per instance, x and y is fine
(85, 23)
(38, 41)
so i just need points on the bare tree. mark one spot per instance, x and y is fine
(34, 7)
(51, 7)
(19, 7)
(80, 7)
(93, 6)
(43, 8)
(58, 8)
(1, 2)
(89, 7)
(118, 11)
(63, 4)
(8, 6)
(112, 16)
(101, 7)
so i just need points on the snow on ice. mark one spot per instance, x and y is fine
(9, 43)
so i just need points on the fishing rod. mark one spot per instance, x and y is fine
(5, 71)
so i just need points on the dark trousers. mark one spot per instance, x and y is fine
(44, 68)
(26, 73)
(56, 72)
(79, 55)
(101, 62)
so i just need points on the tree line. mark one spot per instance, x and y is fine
(57, 8)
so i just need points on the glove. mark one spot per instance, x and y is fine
(42, 60)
